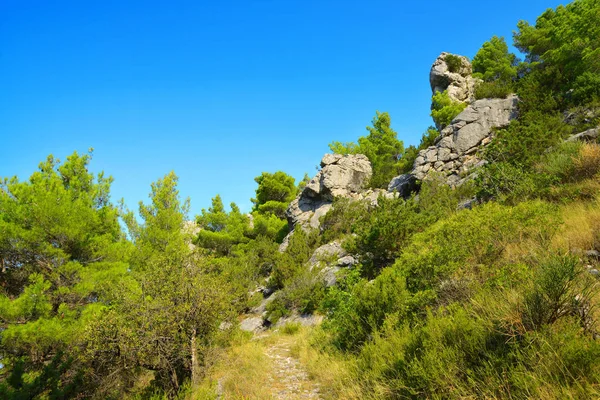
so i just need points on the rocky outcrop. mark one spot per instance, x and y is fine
(457, 79)
(591, 135)
(404, 185)
(340, 176)
(252, 324)
(331, 258)
(455, 151)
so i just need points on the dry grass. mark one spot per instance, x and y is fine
(241, 373)
(581, 227)
(587, 164)
(333, 372)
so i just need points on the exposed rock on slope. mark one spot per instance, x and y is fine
(454, 153)
(340, 176)
(332, 257)
(587, 136)
(459, 82)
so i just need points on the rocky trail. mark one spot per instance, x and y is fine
(288, 379)
(267, 366)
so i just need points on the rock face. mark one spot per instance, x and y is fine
(454, 153)
(458, 80)
(342, 176)
(404, 185)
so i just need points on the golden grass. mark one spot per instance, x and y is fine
(581, 227)
(240, 373)
(587, 164)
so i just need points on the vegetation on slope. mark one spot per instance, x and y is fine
(497, 301)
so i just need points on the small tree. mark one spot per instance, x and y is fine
(382, 148)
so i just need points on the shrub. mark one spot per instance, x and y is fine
(444, 109)
(290, 264)
(291, 328)
(526, 140)
(493, 90)
(587, 164)
(509, 183)
(304, 295)
(555, 294)
(339, 221)
(454, 62)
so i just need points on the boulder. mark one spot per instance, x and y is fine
(459, 82)
(591, 135)
(252, 324)
(340, 176)
(327, 253)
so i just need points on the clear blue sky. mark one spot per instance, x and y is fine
(221, 91)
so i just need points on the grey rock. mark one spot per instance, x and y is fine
(481, 117)
(252, 324)
(468, 204)
(340, 176)
(460, 84)
(328, 252)
(262, 307)
(593, 254)
(591, 135)
(329, 275)
(404, 185)
(347, 261)
(329, 159)
(459, 143)
(303, 319)
(372, 196)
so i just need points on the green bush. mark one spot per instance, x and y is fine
(493, 90)
(454, 62)
(290, 264)
(303, 294)
(527, 139)
(444, 109)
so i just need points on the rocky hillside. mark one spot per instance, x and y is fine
(465, 266)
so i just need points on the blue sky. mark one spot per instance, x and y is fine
(221, 91)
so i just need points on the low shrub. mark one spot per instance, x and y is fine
(444, 109)
(291, 328)
(493, 90)
(454, 62)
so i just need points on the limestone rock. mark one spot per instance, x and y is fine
(252, 324)
(303, 319)
(459, 83)
(329, 275)
(591, 135)
(455, 152)
(340, 176)
(404, 185)
(346, 261)
(327, 253)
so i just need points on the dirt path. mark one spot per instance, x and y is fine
(288, 378)
(262, 368)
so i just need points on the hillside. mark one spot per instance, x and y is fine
(466, 266)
